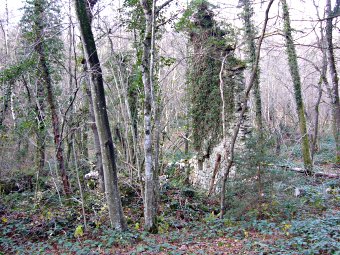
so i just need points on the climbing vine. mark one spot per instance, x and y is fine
(209, 44)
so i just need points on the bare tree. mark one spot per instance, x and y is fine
(333, 74)
(46, 81)
(294, 71)
(150, 206)
(250, 41)
(101, 118)
(231, 150)
(151, 179)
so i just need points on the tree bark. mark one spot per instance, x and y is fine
(150, 200)
(216, 167)
(101, 118)
(6, 103)
(294, 71)
(334, 76)
(250, 35)
(46, 79)
(93, 125)
(236, 130)
(41, 129)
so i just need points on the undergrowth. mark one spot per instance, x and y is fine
(189, 223)
(293, 225)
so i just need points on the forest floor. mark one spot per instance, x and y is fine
(188, 224)
(280, 222)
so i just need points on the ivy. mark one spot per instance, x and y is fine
(50, 20)
(210, 43)
(16, 70)
(186, 23)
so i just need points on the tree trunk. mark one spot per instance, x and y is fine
(150, 201)
(93, 125)
(230, 153)
(216, 167)
(294, 71)
(8, 90)
(46, 79)
(101, 118)
(334, 76)
(41, 129)
(6, 100)
(250, 35)
(322, 80)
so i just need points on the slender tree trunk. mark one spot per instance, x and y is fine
(84, 146)
(8, 90)
(69, 139)
(250, 34)
(294, 71)
(334, 75)
(131, 102)
(41, 129)
(6, 104)
(323, 80)
(93, 126)
(150, 206)
(216, 168)
(101, 118)
(231, 151)
(157, 152)
(75, 157)
(46, 79)
(316, 123)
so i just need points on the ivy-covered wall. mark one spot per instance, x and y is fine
(210, 44)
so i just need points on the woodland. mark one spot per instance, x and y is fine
(169, 127)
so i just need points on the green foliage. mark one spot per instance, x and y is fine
(45, 27)
(250, 31)
(78, 232)
(13, 72)
(325, 154)
(250, 190)
(186, 23)
(167, 61)
(133, 16)
(307, 230)
(313, 236)
(210, 43)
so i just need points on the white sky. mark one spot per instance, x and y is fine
(302, 11)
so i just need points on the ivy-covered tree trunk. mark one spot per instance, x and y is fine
(150, 200)
(47, 81)
(250, 35)
(41, 129)
(294, 71)
(333, 74)
(101, 118)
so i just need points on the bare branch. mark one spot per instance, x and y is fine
(244, 108)
(159, 8)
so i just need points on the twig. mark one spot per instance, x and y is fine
(244, 108)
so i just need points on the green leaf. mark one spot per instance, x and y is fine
(79, 231)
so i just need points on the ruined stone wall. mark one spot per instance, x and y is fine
(203, 164)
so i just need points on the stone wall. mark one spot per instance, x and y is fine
(202, 169)
(203, 164)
